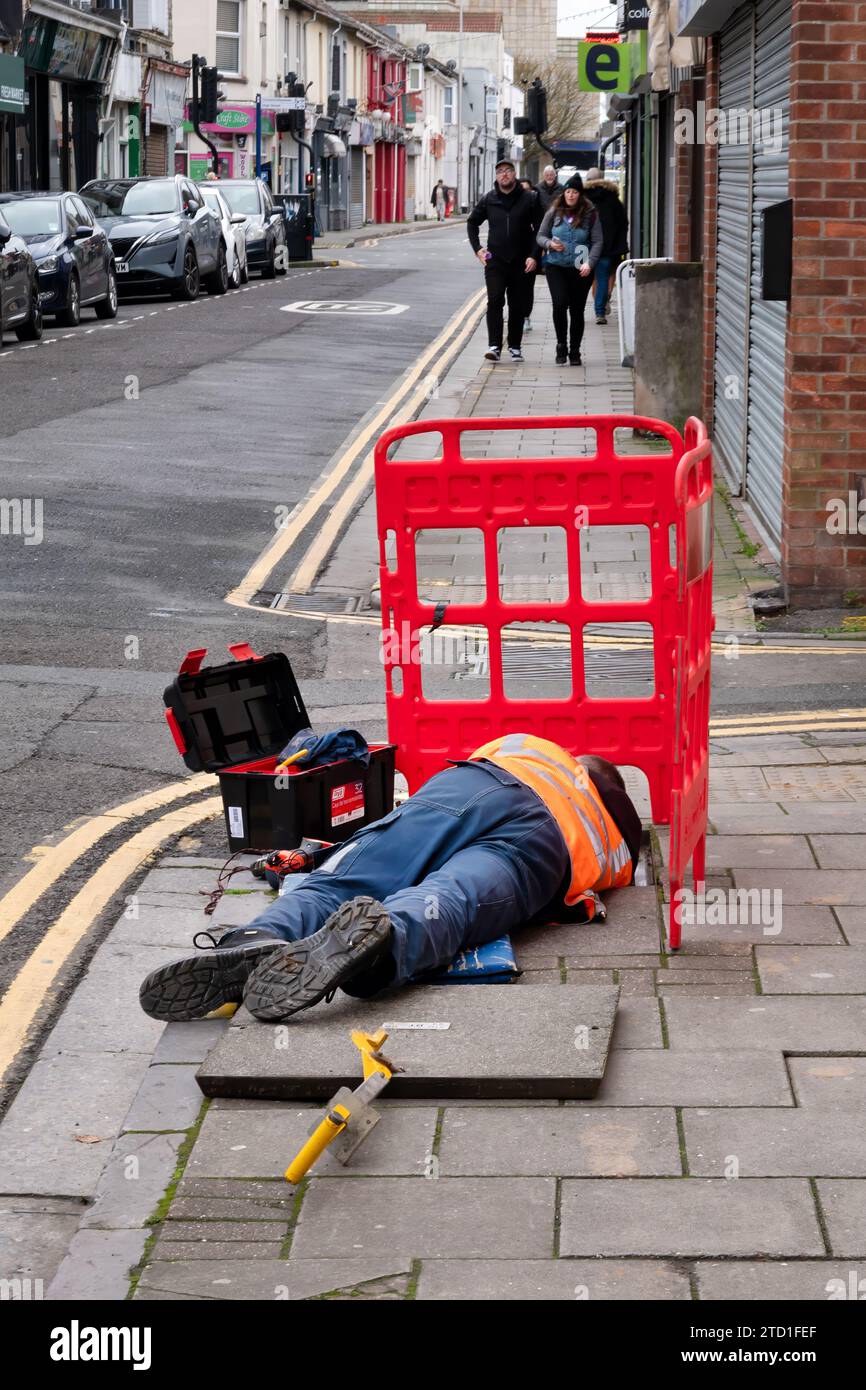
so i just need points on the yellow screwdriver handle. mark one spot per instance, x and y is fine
(324, 1134)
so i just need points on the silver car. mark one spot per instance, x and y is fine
(234, 236)
(264, 224)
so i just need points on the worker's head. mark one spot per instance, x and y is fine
(601, 767)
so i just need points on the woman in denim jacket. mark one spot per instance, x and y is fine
(571, 238)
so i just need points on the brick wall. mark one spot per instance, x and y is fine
(825, 391)
(683, 155)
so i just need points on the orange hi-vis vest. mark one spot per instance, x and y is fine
(600, 857)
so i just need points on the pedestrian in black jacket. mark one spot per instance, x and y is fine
(549, 188)
(512, 217)
(604, 195)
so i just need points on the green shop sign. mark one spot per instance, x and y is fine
(608, 67)
(12, 84)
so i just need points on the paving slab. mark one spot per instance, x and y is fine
(631, 928)
(787, 923)
(133, 1181)
(774, 1143)
(427, 1218)
(537, 1041)
(759, 852)
(779, 1280)
(569, 1141)
(227, 1232)
(256, 1143)
(853, 923)
(831, 887)
(790, 1023)
(812, 969)
(822, 1083)
(168, 1098)
(638, 1024)
(839, 851)
(560, 1280)
(74, 1109)
(269, 1280)
(843, 1202)
(97, 1266)
(104, 1015)
(663, 1077)
(35, 1234)
(188, 1042)
(688, 1217)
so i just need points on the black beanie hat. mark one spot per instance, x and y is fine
(575, 182)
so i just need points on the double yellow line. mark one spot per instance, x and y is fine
(793, 722)
(400, 406)
(31, 986)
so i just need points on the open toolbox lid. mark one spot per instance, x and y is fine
(246, 709)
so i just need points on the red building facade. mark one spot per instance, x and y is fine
(386, 85)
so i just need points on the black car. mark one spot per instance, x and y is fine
(19, 287)
(162, 235)
(265, 225)
(72, 254)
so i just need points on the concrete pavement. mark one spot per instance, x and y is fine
(721, 1159)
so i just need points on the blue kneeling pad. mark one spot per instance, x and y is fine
(492, 963)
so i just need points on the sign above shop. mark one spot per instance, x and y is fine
(633, 15)
(235, 120)
(66, 50)
(12, 84)
(607, 67)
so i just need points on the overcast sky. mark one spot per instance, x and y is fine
(575, 16)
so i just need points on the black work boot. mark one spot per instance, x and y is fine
(303, 972)
(195, 986)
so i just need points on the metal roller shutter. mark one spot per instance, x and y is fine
(733, 253)
(768, 320)
(356, 188)
(156, 151)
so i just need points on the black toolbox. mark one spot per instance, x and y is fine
(234, 720)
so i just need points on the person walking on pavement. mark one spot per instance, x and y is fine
(604, 195)
(521, 831)
(571, 237)
(549, 189)
(438, 200)
(530, 287)
(511, 215)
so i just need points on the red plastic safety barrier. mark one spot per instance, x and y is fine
(670, 494)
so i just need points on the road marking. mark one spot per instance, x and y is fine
(28, 990)
(316, 554)
(285, 538)
(56, 860)
(744, 719)
(365, 308)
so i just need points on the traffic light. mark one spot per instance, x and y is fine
(210, 97)
(536, 107)
(299, 116)
(310, 179)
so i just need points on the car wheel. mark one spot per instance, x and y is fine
(70, 317)
(31, 331)
(189, 283)
(283, 259)
(269, 269)
(235, 277)
(245, 274)
(107, 307)
(218, 282)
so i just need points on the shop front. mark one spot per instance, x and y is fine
(68, 57)
(234, 134)
(12, 109)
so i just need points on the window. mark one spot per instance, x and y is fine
(416, 77)
(228, 36)
(448, 108)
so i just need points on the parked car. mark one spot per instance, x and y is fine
(264, 225)
(234, 236)
(72, 254)
(162, 235)
(19, 287)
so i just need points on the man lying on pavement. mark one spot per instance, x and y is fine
(520, 832)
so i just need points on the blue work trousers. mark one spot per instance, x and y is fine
(470, 856)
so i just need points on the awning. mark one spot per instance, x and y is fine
(333, 147)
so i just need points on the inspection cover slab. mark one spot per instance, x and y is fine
(466, 1041)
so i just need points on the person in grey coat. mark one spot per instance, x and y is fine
(571, 238)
